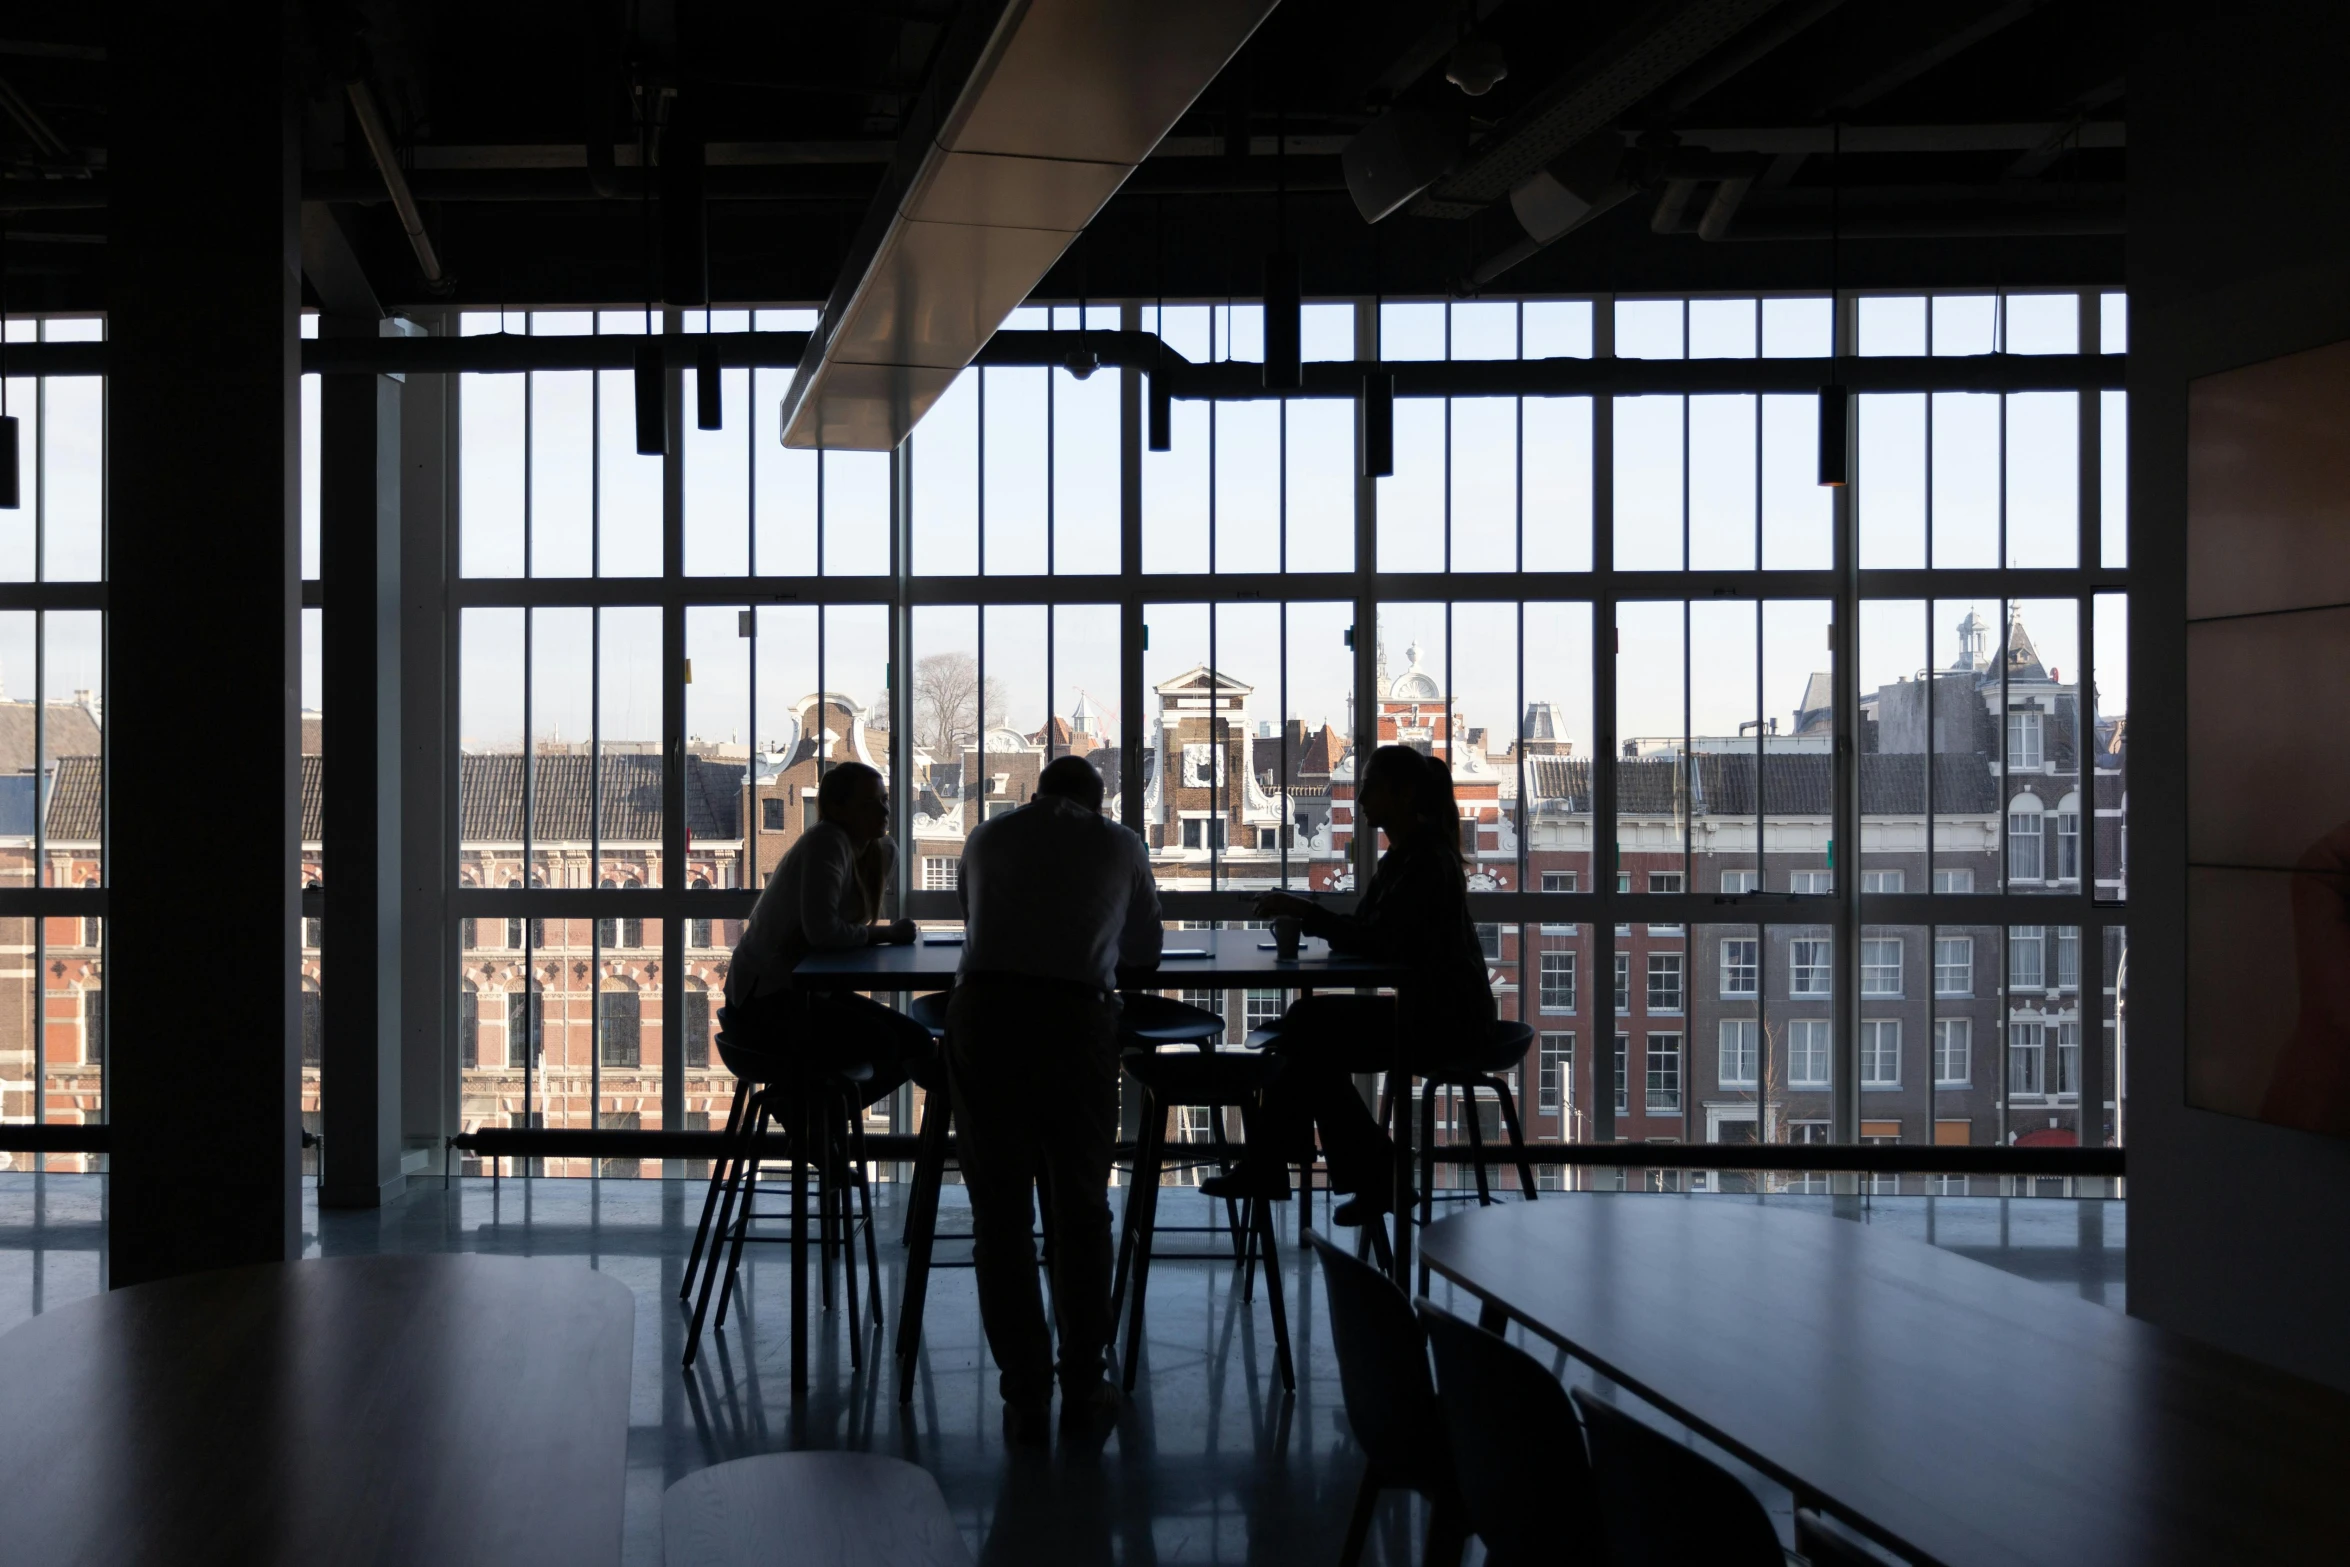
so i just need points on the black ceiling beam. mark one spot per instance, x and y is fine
(1942, 47)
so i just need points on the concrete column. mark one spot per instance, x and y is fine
(203, 455)
(428, 998)
(359, 577)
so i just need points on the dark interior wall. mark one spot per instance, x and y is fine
(2239, 132)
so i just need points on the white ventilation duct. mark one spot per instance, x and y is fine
(1002, 166)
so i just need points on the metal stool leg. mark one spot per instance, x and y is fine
(750, 1198)
(861, 1171)
(1509, 1117)
(1427, 1165)
(693, 1261)
(1146, 1192)
(731, 1165)
(922, 1234)
(1476, 1143)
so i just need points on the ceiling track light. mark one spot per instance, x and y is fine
(652, 400)
(1375, 434)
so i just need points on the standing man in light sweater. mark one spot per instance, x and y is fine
(1056, 899)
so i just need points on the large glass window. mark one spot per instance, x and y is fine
(1614, 608)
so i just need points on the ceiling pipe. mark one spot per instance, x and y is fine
(379, 142)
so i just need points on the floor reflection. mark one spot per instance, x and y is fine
(1209, 1463)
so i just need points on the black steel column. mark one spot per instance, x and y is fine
(359, 665)
(203, 456)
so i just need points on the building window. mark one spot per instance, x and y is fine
(1664, 1074)
(514, 931)
(310, 934)
(1489, 939)
(2068, 845)
(1954, 1039)
(1741, 966)
(1880, 1052)
(522, 1029)
(1954, 881)
(2068, 957)
(619, 934)
(1623, 983)
(1815, 883)
(2023, 738)
(1558, 982)
(1261, 1008)
(2027, 1058)
(2025, 970)
(771, 817)
(1734, 882)
(1664, 881)
(1807, 1052)
(2023, 843)
(1554, 1083)
(1623, 1058)
(1558, 881)
(1881, 881)
(94, 1025)
(619, 1028)
(696, 1024)
(1203, 832)
(941, 873)
(313, 1024)
(1736, 1065)
(1810, 965)
(1664, 982)
(2068, 1058)
(810, 813)
(468, 1028)
(1954, 965)
(1880, 966)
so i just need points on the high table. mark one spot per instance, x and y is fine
(1193, 959)
(1958, 1414)
(433, 1410)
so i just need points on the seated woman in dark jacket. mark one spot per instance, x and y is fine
(1415, 912)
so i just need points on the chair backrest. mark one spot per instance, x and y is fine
(1383, 1369)
(1667, 1504)
(1516, 1448)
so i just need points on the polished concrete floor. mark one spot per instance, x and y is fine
(1210, 1464)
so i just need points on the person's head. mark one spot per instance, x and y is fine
(1071, 778)
(1405, 794)
(852, 798)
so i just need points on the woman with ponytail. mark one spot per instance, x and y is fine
(1414, 913)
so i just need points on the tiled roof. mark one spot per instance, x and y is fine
(490, 794)
(1792, 785)
(74, 800)
(72, 732)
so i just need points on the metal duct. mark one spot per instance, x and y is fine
(1002, 166)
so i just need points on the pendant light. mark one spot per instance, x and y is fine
(1283, 305)
(9, 434)
(1162, 404)
(1835, 398)
(1375, 399)
(652, 380)
(709, 392)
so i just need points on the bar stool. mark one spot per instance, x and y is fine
(1149, 1021)
(1216, 1079)
(1504, 1046)
(823, 1135)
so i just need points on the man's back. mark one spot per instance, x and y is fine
(1058, 891)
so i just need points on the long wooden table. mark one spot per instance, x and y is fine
(1194, 960)
(1959, 1414)
(434, 1410)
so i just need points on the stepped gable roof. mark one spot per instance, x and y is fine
(1319, 753)
(627, 788)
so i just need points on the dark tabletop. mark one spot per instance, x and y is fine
(438, 1410)
(1962, 1414)
(1234, 959)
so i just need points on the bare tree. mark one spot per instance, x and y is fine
(947, 702)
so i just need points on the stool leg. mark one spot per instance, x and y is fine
(1273, 1301)
(861, 1168)
(1232, 1208)
(1427, 1165)
(693, 1261)
(801, 1113)
(730, 1165)
(742, 1215)
(921, 1234)
(827, 1243)
(837, 1194)
(1509, 1119)
(1468, 1096)
(1146, 1191)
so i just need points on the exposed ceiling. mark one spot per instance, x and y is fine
(1980, 141)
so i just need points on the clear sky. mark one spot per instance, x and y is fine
(1015, 470)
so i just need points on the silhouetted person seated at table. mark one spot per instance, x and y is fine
(1415, 912)
(1056, 899)
(826, 897)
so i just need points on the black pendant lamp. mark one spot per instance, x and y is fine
(1284, 324)
(652, 378)
(1376, 425)
(9, 435)
(1162, 412)
(709, 392)
(1835, 398)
